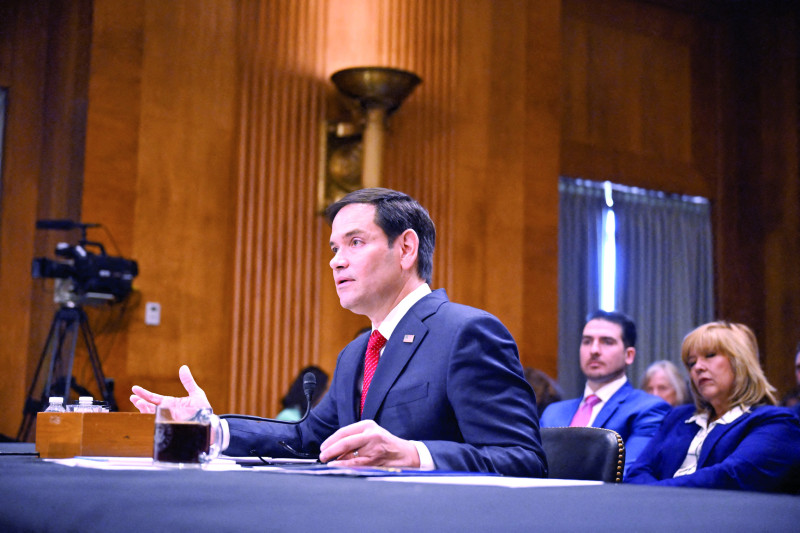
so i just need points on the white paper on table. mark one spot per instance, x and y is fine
(135, 463)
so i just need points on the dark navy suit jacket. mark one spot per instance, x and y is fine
(632, 413)
(449, 376)
(759, 451)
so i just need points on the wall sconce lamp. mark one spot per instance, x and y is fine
(352, 152)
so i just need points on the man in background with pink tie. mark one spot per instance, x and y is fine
(608, 346)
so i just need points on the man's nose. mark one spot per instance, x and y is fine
(338, 261)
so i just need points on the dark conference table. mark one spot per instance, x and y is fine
(36, 495)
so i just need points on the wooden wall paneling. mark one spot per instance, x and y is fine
(756, 218)
(183, 219)
(419, 158)
(472, 89)
(276, 315)
(779, 188)
(740, 280)
(508, 124)
(543, 117)
(628, 95)
(110, 178)
(45, 66)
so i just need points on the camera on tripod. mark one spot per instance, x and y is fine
(83, 276)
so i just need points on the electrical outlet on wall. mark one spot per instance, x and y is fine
(152, 313)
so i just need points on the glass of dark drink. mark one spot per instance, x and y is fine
(185, 437)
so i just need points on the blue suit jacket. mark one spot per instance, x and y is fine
(449, 376)
(758, 451)
(632, 413)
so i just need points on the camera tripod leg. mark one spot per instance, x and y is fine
(52, 348)
(94, 359)
(67, 322)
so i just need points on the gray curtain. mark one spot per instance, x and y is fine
(580, 228)
(664, 274)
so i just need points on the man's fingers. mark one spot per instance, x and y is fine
(142, 405)
(348, 439)
(352, 429)
(343, 447)
(189, 383)
(146, 395)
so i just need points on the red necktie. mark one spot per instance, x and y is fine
(376, 342)
(583, 415)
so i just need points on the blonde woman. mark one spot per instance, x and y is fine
(733, 437)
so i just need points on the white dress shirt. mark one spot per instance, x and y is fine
(689, 465)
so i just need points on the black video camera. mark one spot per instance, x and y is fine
(82, 276)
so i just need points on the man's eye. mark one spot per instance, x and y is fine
(334, 250)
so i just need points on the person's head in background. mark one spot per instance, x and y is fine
(797, 364)
(663, 379)
(608, 346)
(545, 388)
(722, 361)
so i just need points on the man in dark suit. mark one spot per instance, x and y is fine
(446, 391)
(609, 401)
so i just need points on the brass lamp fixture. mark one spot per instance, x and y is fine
(352, 153)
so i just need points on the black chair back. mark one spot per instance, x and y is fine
(588, 453)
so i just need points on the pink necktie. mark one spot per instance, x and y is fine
(581, 418)
(376, 342)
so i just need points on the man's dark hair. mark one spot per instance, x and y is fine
(622, 320)
(396, 212)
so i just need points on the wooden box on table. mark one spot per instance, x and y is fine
(60, 435)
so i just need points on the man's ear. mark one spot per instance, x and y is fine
(408, 242)
(630, 355)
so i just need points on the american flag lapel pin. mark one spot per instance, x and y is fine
(408, 339)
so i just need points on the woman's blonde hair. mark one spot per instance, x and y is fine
(738, 343)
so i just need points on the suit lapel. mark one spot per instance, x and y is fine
(399, 350)
(716, 434)
(351, 367)
(570, 409)
(611, 405)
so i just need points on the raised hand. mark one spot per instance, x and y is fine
(146, 401)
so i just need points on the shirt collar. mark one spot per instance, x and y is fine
(701, 419)
(396, 315)
(608, 390)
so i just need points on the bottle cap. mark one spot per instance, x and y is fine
(56, 399)
(85, 399)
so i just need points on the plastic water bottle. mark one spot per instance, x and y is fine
(85, 405)
(56, 405)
